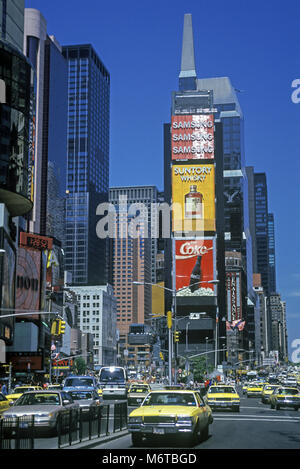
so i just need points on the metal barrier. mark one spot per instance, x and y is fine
(73, 426)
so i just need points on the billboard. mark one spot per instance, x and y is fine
(28, 281)
(195, 266)
(193, 197)
(192, 137)
(234, 296)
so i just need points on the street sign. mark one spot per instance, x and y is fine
(195, 316)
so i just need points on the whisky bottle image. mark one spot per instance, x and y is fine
(193, 203)
(196, 275)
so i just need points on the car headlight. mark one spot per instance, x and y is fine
(135, 419)
(185, 419)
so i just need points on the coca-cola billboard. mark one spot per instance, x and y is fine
(195, 266)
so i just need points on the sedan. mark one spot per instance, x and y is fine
(19, 390)
(46, 408)
(285, 397)
(88, 401)
(137, 393)
(170, 413)
(221, 396)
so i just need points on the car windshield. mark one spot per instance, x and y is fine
(170, 399)
(138, 389)
(221, 389)
(111, 375)
(286, 391)
(79, 382)
(78, 395)
(39, 399)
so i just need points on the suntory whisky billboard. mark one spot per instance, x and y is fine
(195, 266)
(192, 137)
(193, 198)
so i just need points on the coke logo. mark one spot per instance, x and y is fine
(188, 250)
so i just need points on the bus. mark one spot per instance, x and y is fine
(113, 382)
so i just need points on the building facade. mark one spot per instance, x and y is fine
(97, 315)
(87, 163)
(12, 22)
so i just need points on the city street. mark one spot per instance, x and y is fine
(256, 426)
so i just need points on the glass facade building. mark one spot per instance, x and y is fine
(87, 163)
(12, 22)
(272, 258)
(261, 228)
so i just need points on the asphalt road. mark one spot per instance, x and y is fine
(256, 426)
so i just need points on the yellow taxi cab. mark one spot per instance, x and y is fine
(137, 393)
(254, 389)
(268, 389)
(244, 387)
(19, 390)
(222, 396)
(285, 397)
(4, 403)
(164, 412)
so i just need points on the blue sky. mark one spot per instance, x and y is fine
(255, 44)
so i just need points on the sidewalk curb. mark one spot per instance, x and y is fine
(97, 441)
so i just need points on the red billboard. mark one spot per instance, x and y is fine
(192, 137)
(234, 296)
(195, 266)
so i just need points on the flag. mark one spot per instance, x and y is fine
(228, 326)
(241, 325)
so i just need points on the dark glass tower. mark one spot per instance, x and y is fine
(87, 163)
(272, 258)
(261, 228)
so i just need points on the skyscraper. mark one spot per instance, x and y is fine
(261, 228)
(272, 258)
(88, 163)
(12, 22)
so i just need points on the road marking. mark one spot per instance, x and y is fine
(260, 416)
(257, 419)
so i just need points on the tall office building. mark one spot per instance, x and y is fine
(87, 163)
(50, 122)
(193, 178)
(12, 22)
(272, 257)
(132, 256)
(261, 229)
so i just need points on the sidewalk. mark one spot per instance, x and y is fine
(96, 441)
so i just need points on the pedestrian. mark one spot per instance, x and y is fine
(4, 389)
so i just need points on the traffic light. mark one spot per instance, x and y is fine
(61, 327)
(169, 319)
(176, 336)
(55, 327)
(161, 355)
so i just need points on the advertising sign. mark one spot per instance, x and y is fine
(195, 266)
(193, 197)
(26, 361)
(234, 295)
(28, 280)
(192, 137)
(35, 241)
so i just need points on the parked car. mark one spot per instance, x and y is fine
(46, 407)
(223, 396)
(164, 413)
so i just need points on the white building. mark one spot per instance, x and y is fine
(97, 315)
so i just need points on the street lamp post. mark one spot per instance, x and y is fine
(186, 336)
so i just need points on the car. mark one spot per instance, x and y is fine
(244, 387)
(137, 393)
(45, 406)
(291, 382)
(254, 389)
(19, 390)
(285, 397)
(54, 387)
(223, 396)
(4, 403)
(268, 389)
(170, 413)
(87, 399)
(80, 382)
